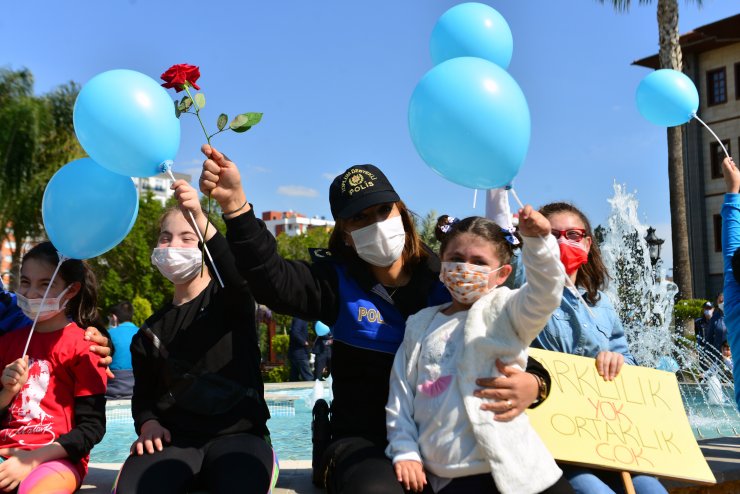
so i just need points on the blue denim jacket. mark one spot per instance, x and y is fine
(730, 243)
(571, 329)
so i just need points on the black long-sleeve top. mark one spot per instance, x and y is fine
(310, 291)
(197, 365)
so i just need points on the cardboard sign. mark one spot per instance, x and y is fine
(635, 423)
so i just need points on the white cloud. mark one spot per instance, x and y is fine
(297, 191)
(258, 169)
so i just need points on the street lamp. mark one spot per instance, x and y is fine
(654, 244)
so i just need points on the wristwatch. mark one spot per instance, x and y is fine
(542, 389)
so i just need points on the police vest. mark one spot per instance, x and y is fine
(370, 320)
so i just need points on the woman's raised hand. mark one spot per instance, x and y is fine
(221, 179)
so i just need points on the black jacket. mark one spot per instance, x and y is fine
(197, 365)
(310, 291)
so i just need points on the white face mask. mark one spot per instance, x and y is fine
(51, 307)
(466, 282)
(721, 306)
(177, 264)
(381, 243)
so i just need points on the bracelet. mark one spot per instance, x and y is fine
(237, 209)
(542, 389)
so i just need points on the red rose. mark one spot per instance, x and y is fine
(177, 75)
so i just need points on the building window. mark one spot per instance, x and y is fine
(737, 81)
(716, 86)
(716, 155)
(717, 233)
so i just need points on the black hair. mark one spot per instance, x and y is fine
(449, 228)
(83, 307)
(124, 311)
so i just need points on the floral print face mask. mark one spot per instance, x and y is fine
(466, 282)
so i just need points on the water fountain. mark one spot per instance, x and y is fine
(644, 300)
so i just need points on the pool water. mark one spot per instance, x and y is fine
(290, 427)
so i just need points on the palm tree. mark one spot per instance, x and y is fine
(670, 57)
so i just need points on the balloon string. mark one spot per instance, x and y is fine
(475, 197)
(712, 132)
(62, 258)
(568, 281)
(168, 169)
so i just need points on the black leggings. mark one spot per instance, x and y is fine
(235, 463)
(357, 466)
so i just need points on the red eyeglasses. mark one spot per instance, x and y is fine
(574, 234)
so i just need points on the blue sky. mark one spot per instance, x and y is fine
(334, 78)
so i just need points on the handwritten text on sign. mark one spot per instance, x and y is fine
(635, 423)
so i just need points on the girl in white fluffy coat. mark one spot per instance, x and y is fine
(443, 437)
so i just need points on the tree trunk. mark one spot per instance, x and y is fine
(671, 58)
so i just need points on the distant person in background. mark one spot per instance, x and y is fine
(716, 330)
(322, 351)
(727, 356)
(122, 330)
(298, 351)
(701, 325)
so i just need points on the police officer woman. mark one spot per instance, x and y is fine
(375, 274)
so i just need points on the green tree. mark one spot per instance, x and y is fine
(670, 57)
(36, 139)
(426, 227)
(296, 247)
(126, 272)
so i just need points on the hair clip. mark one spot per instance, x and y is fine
(451, 220)
(509, 235)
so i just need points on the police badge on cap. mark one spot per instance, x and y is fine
(359, 187)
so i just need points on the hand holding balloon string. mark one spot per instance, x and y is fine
(167, 168)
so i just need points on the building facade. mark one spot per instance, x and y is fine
(159, 185)
(711, 58)
(292, 223)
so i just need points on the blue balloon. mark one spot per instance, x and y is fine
(667, 97)
(470, 123)
(321, 329)
(87, 209)
(126, 122)
(668, 364)
(472, 30)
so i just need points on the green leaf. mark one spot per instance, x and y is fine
(185, 104)
(200, 100)
(253, 118)
(244, 121)
(239, 122)
(223, 119)
(177, 109)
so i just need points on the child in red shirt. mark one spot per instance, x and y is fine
(52, 399)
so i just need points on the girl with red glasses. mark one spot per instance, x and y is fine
(597, 333)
